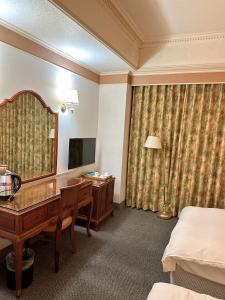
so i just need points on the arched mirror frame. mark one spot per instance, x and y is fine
(55, 144)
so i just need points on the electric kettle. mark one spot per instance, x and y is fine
(10, 183)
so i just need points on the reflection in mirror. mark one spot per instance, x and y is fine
(28, 136)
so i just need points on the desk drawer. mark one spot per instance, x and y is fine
(85, 192)
(7, 222)
(35, 217)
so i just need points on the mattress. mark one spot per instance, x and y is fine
(197, 244)
(165, 291)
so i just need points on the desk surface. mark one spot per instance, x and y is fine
(34, 194)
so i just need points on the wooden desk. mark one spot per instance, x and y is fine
(102, 192)
(34, 208)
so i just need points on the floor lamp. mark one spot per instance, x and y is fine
(154, 142)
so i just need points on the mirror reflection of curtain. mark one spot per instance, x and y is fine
(190, 119)
(25, 146)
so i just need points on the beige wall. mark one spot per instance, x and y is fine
(113, 128)
(20, 70)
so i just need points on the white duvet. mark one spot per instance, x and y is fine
(197, 243)
(165, 291)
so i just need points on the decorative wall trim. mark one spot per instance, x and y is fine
(23, 43)
(187, 78)
(115, 79)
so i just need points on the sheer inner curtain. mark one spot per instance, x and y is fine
(190, 119)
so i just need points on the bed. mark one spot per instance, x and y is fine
(195, 254)
(165, 291)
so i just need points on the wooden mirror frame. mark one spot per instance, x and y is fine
(36, 95)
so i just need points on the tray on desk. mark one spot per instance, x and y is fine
(97, 177)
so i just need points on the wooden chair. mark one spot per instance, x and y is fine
(67, 214)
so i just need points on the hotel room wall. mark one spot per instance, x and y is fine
(20, 70)
(113, 131)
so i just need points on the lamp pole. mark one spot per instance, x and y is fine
(166, 212)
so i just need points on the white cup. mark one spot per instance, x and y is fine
(96, 174)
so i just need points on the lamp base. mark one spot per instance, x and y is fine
(164, 214)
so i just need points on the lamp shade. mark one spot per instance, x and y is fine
(153, 142)
(71, 96)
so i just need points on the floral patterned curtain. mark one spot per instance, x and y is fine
(24, 137)
(190, 119)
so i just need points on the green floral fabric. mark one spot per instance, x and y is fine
(190, 119)
(24, 136)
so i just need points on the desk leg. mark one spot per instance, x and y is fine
(18, 248)
(58, 234)
(90, 208)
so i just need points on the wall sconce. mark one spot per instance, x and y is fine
(72, 101)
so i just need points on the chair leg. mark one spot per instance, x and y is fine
(90, 206)
(57, 248)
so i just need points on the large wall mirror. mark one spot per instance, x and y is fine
(28, 136)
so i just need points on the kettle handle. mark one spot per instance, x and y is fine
(17, 182)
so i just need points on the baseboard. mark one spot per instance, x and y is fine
(119, 206)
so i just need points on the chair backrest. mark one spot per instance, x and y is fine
(69, 201)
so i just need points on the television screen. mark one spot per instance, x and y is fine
(81, 152)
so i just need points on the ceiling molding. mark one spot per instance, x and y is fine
(129, 25)
(186, 78)
(46, 45)
(114, 7)
(184, 38)
(119, 42)
(115, 79)
(23, 43)
(171, 69)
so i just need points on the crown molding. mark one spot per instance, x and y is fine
(187, 68)
(184, 38)
(184, 78)
(127, 25)
(118, 12)
(79, 15)
(27, 44)
(115, 79)
(46, 45)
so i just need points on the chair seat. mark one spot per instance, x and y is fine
(66, 223)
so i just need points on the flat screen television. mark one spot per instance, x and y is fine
(81, 152)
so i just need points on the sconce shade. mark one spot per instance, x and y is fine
(52, 134)
(72, 97)
(71, 101)
(153, 142)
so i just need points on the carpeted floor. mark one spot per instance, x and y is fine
(121, 261)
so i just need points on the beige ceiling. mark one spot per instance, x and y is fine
(44, 23)
(111, 36)
(153, 19)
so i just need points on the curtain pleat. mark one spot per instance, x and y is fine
(190, 119)
(24, 137)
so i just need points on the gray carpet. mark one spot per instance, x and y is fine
(121, 261)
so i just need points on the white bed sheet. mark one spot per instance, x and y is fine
(165, 291)
(197, 244)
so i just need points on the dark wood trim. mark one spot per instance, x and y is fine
(27, 223)
(36, 95)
